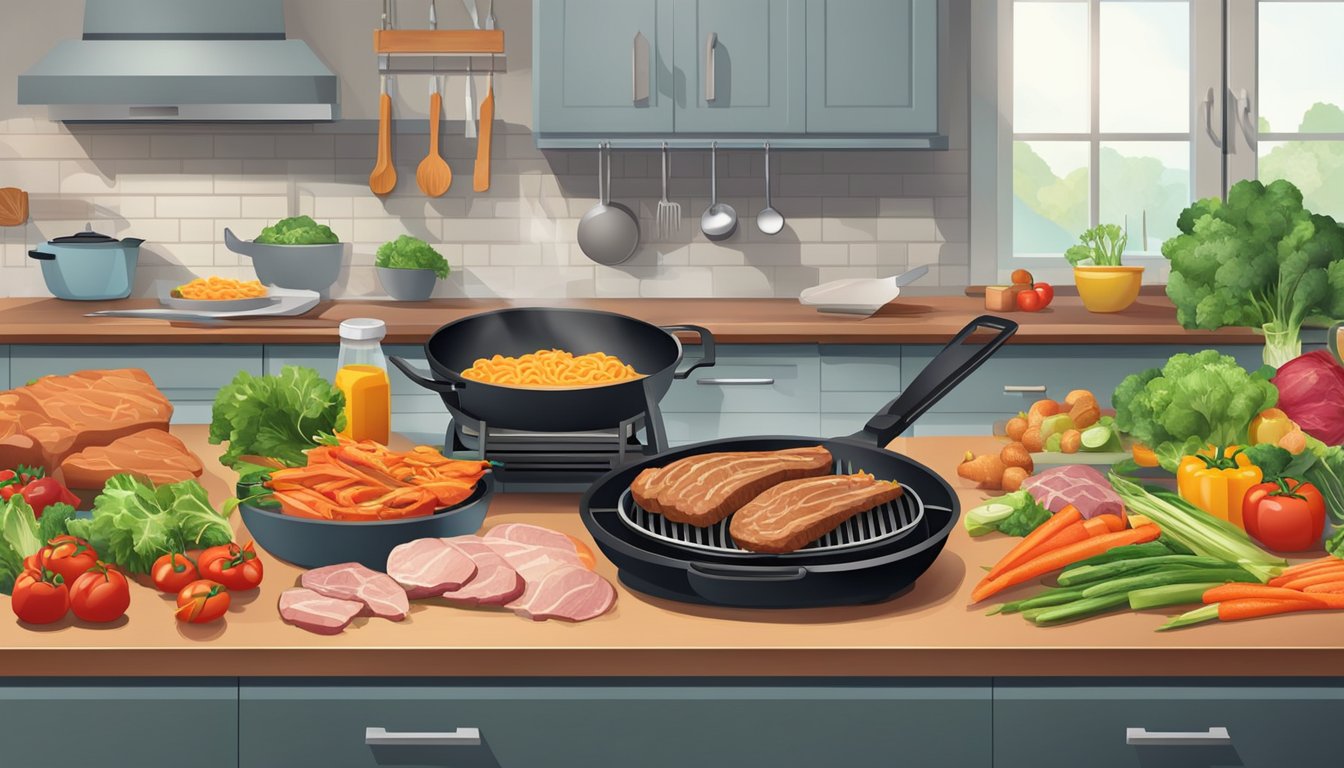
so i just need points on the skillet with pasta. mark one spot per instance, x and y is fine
(549, 368)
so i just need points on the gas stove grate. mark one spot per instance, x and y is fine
(883, 523)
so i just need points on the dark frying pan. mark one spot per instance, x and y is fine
(652, 350)
(871, 558)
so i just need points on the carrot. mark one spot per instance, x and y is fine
(1309, 565)
(1312, 579)
(1333, 588)
(1055, 524)
(1058, 558)
(1237, 591)
(1105, 524)
(1254, 608)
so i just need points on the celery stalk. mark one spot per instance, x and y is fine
(1190, 618)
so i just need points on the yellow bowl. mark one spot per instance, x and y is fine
(1108, 289)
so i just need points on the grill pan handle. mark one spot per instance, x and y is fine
(706, 347)
(949, 368)
(747, 572)
(442, 387)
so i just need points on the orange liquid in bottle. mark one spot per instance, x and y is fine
(368, 402)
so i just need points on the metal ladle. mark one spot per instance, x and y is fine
(719, 220)
(769, 221)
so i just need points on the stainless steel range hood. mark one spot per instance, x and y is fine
(182, 60)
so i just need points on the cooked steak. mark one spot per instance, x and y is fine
(791, 514)
(99, 406)
(496, 582)
(28, 437)
(308, 610)
(150, 454)
(351, 581)
(566, 592)
(703, 490)
(429, 567)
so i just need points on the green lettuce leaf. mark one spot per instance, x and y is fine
(53, 522)
(277, 417)
(18, 527)
(134, 523)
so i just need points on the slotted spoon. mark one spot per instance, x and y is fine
(669, 213)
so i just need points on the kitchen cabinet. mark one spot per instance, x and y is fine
(588, 76)
(190, 376)
(872, 66)
(740, 66)
(147, 724)
(1102, 725)
(650, 723)
(751, 390)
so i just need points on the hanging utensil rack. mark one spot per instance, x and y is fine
(438, 51)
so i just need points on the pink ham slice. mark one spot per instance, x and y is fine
(323, 615)
(496, 582)
(523, 533)
(429, 567)
(381, 595)
(557, 584)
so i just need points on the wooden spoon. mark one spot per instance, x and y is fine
(384, 177)
(434, 176)
(481, 181)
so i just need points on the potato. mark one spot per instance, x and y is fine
(1084, 414)
(1016, 426)
(1013, 478)
(1040, 409)
(1071, 441)
(1032, 440)
(1017, 455)
(985, 471)
(1076, 395)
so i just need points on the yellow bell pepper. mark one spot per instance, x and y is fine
(1216, 480)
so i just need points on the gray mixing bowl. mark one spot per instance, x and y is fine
(304, 267)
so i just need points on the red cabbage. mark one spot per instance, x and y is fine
(1311, 392)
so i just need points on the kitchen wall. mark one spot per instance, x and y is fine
(850, 213)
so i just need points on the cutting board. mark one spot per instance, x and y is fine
(13, 207)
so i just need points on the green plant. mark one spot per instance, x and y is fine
(1102, 246)
(407, 252)
(298, 230)
(1260, 260)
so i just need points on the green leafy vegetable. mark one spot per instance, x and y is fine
(407, 252)
(134, 523)
(54, 521)
(1015, 514)
(1192, 401)
(21, 534)
(1102, 246)
(276, 417)
(1258, 260)
(299, 230)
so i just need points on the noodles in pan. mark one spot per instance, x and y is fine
(551, 368)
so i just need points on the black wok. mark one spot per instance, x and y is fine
(863, 566)
(652, 350)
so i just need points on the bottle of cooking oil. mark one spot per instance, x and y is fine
(361, 375)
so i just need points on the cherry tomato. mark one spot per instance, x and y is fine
(235, 567)
(202, 601)
(1029, 301)
(68, 556)
(173, 571)
(1047, 293)
(45, 491)
(40, 597)
(101, 594)
(1021, 277)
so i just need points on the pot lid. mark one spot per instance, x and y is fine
(87, 237)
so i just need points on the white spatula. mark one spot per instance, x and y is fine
(859, 295)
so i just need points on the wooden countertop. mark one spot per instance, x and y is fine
(929, 631)
(914, 320)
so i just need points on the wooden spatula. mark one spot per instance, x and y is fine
(434, 176)
(384, 177)
(481, 181)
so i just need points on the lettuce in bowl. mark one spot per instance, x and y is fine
(407, 252)
(297, 230)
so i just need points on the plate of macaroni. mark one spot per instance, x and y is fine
(218, 294)
(551, 369)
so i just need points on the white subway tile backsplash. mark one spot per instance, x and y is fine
(181, 146)
(245, 145)
(198, 206)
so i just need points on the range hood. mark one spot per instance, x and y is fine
(182, 60)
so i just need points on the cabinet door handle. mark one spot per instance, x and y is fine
(462, 737)
(711, 46)
(735, 382)
(639, 69)
(1139, 737)
(1012, 388)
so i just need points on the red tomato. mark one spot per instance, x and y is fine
(101, 594)
(40, 597)
(237, 568)
(45, 491)
(68, 556)
(1021, 277)
(202, 602)
(1029, 301)
(1284, 517)
(1047, 293)
(173, 571)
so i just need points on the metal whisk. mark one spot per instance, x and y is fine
(669, 213)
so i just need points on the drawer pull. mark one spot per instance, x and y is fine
(462, 737)
(1012, 388)
(735, 382)
(1140, 737)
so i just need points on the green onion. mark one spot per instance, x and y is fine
(1179, 576)
(1046, 599)
(1131, 552)
(1095, 573)
(1190, 618)
(1170, 594)
(1078, 609)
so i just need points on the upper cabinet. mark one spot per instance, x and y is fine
(872, 66)
(818, 73)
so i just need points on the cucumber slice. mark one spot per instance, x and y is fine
(1095, 438)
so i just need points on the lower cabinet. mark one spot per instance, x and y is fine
(150, 724)
(1102, 725)
(647, 724)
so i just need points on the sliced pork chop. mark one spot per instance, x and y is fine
(523, 533)
(150, 454)
(711, 490)
(496, 582)
(317, 613)
(566, 592)
(429, 567)
(381, 595)
(793, 513)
